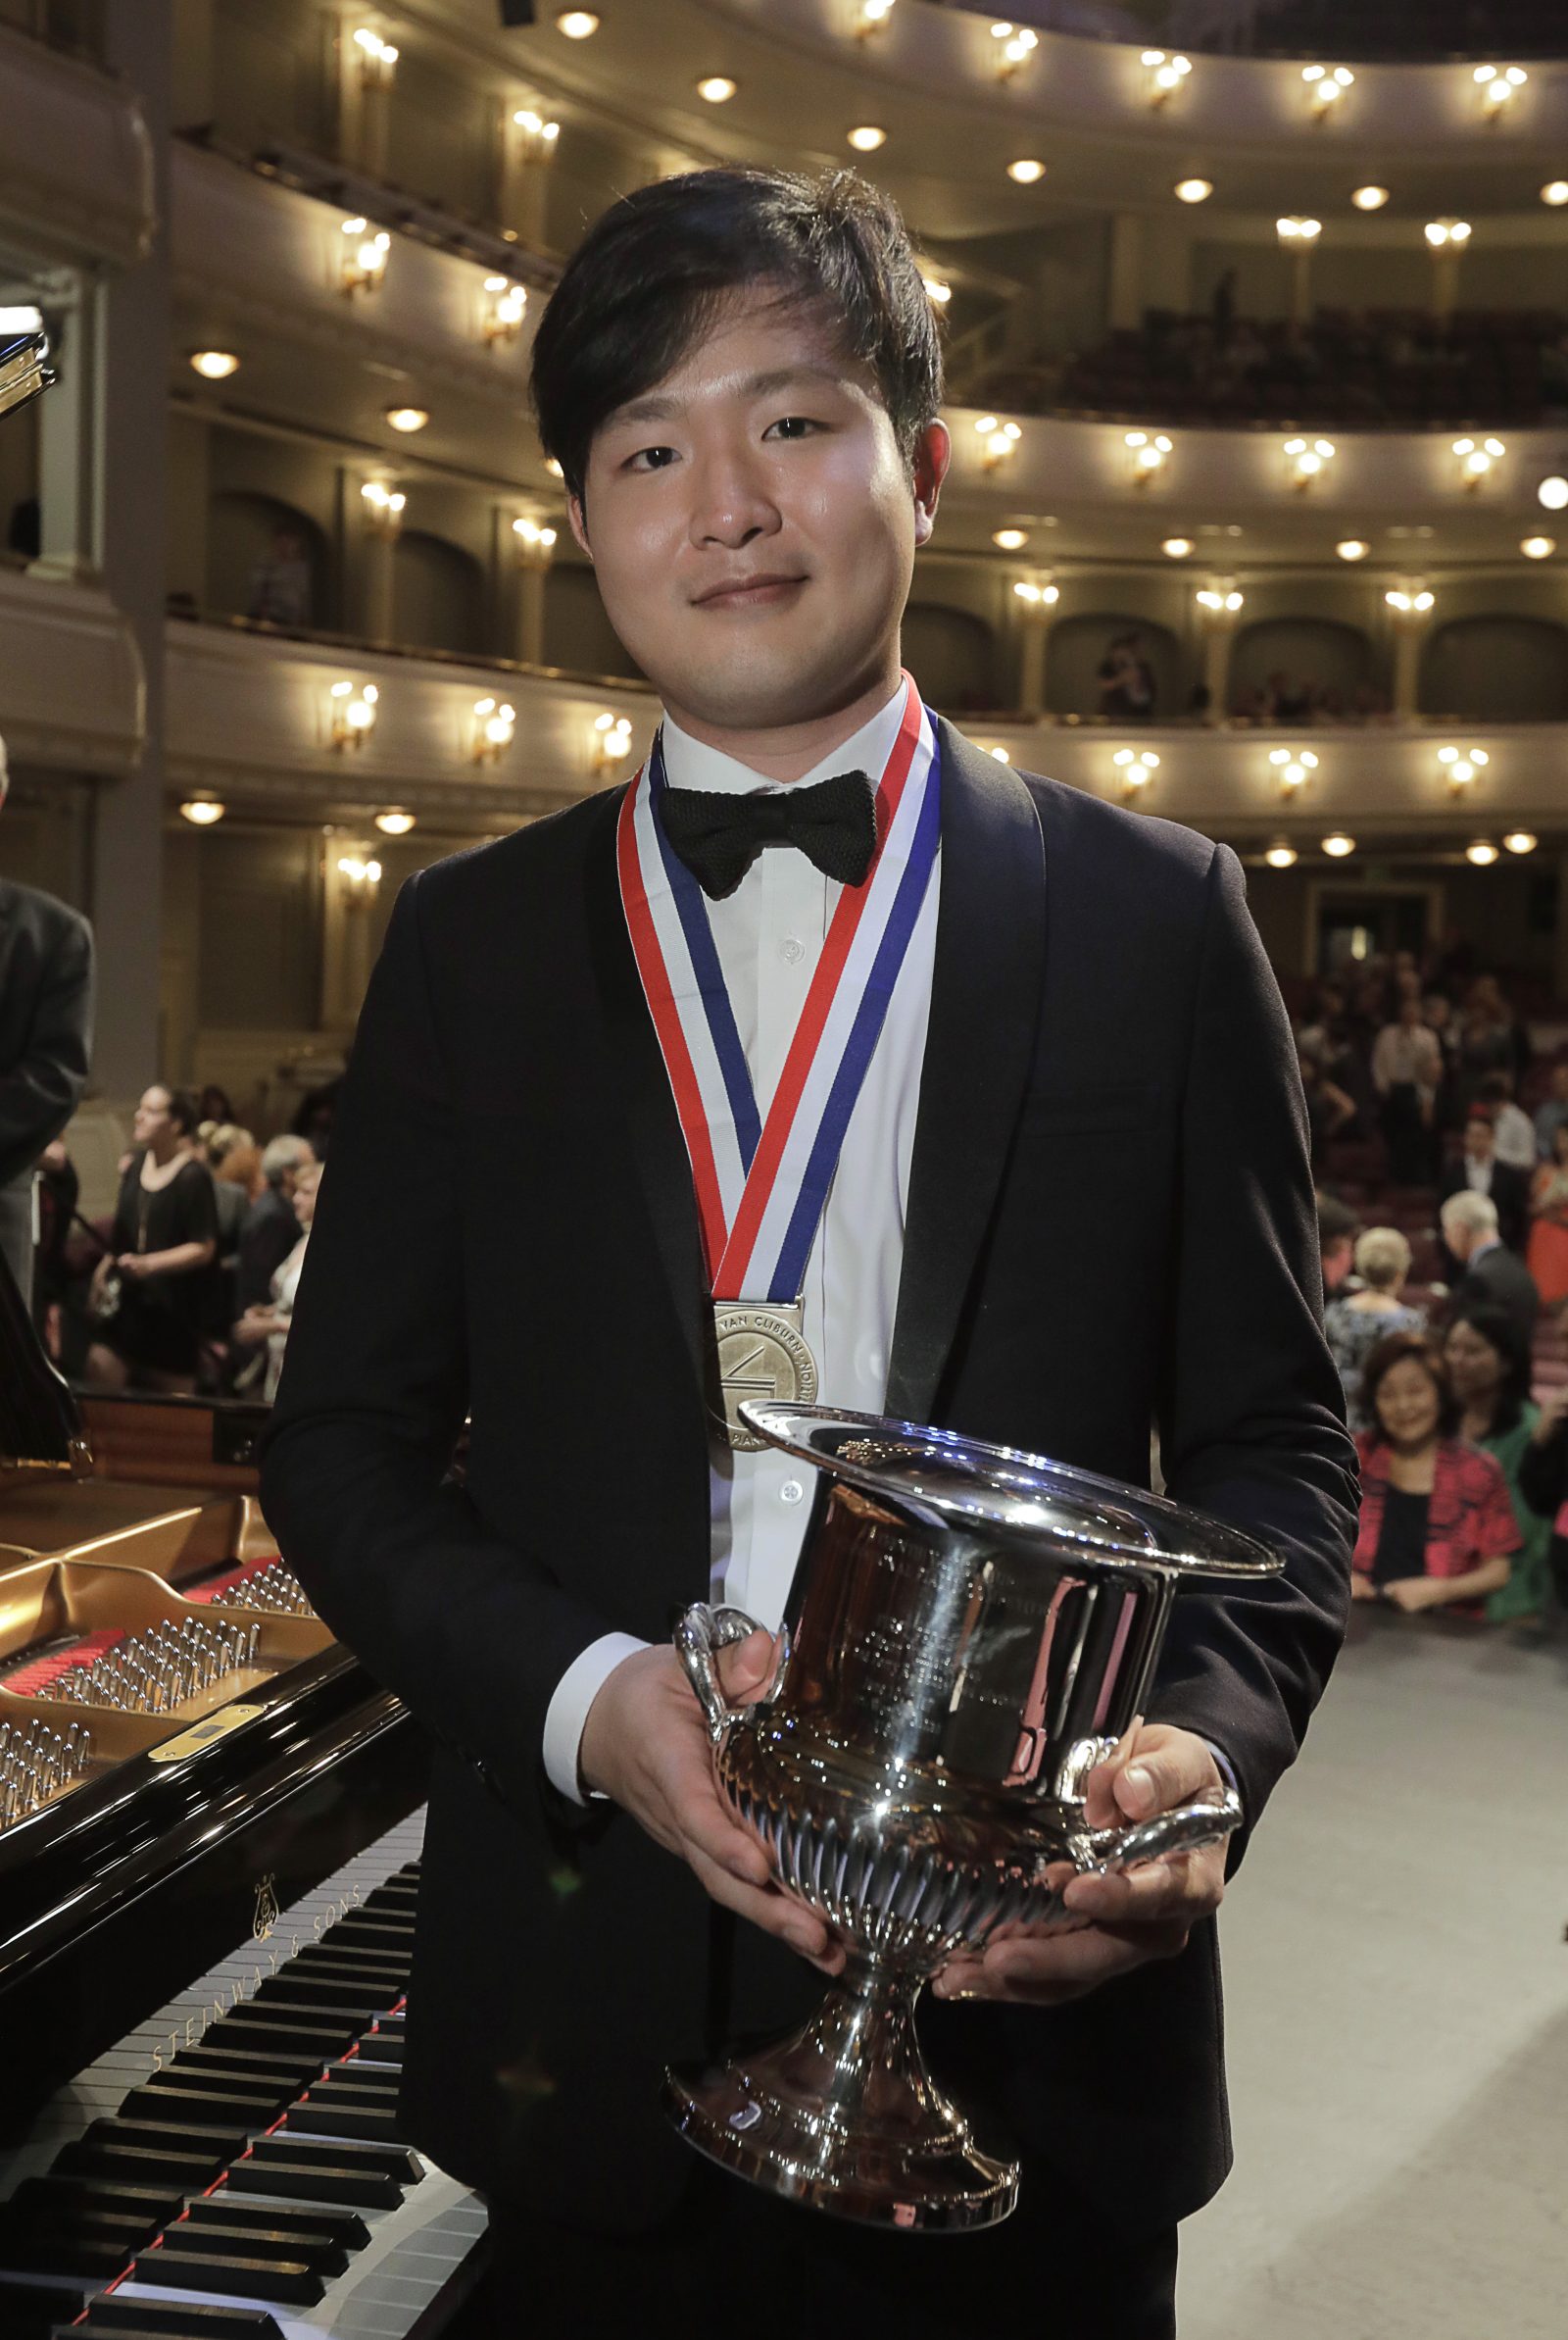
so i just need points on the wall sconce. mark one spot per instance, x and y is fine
(1220, 601)
(1014, 43)
(365, 267)
(1339, 847)
(383, 507)
(1537, 548)
(532, 543)
(501, 318)
(1407, 604)
(1000, 755)
(1475, 458)
(378, 58)
(1353, 548)
(871, 16)
(1163, 71)
(1305, 460)
(1370, 198)
(362, 877)
(940, 294)
(1137, 767)
(1447, 235)
(215, 365)
(353, 712)
(1194, 190)
(1498, 85)
(1328, 85)
(611, 743)
(1460, 766)
(1281, 856)
(1483, 853)
(1292, 770)
(395, 821)
(537, 136)
(491, 731)
(201, 811)
(1000, 440)
(1520, 840)
(1177, 548)
(1037, 595)
(1146, 454)
(1297, 234)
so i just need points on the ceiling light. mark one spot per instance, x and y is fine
(718, 89)
(1353, 548)
(1555, 191)
(215, 365)
(202, 810)
(1027, 171)
(1010, 541)
(1194, 190)
(1520, 840)
(1537, 548)
(577, 22)
(1370, 198)
(408, 418)
(394, 821)
(1281, 857)
(1446, 234)
(1176, 548)
(1553, 492)
(1483, 853)
(866, 137)
(1339, 845)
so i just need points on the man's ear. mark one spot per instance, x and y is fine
(579, 524)
(933, 452)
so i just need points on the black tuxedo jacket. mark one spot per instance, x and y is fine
(45, 1021)
(1511, 1191)
(1110, 1220)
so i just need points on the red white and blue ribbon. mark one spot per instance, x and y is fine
(761, 1183)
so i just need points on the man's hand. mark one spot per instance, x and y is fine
(646, 1745)
(1363, 1587)
(1126, 1920)
(1413, 1593)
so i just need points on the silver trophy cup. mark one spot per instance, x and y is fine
(970, 1631)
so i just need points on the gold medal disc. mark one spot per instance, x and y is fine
(762, 1354)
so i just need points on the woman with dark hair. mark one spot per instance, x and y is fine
(1437, 1526)
(1489, 1366)
(151, 1293)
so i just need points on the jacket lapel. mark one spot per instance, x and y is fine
(985, 1005)
(658, 1148)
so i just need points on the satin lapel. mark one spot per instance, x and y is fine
(985, 1006)
(658, 1147)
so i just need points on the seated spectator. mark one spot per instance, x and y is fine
(1513, 1132)
(1328, 1109)
(1547, 1256)
(1490, 1368)
(1552, 1115)
(1407, 1074)
(150, 1296)
(1476, 1169)
(1126, 682)
(1485, 1270)
(270, 1227)
(271, 1323)
(1437, 1526)
(1337, 1229)
(1355, 1323)
(1543, 1481)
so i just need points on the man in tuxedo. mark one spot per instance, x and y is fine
(1071, 1198)
(1478, 1171)
(46, 1037)
(1491, 1274)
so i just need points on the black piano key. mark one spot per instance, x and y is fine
(262, 2063)
(297, 2035)
(29, 2226)
(360, 2122)
(97, 2257)
(179, 2136)
(396, 2162)
(323, 2180)
(205, 2099)
(51, 2197)
(390, 1957)
(380, 1985)
(357, 2003)
(288, 2280)
(239, 2086)
(103, 2158)
(356, 2075)
(384, 1927)
(183, 2320)
(345, 2226)
(302, 2245)
(32, 2309)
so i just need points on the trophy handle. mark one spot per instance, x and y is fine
(1184, 1830)
(700, 1632)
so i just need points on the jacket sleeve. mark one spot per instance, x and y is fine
(1251, 1414)
(471, 1632)
(39, 1092)
(1544, 1472)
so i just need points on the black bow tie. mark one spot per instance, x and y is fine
(719, 837)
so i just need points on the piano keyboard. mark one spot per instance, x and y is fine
(231, 2168)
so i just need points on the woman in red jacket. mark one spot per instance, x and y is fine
(1437, 1526)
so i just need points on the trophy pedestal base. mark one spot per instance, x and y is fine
(843, 2116)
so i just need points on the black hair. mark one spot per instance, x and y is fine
(182, 1108)
(1392, 1350)
(1336, 1220)
(654, 271)
(1500, 1331)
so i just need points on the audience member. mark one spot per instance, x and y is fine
(1513, 1132)
(1337, 1227)
(271, 1323)
(1126, 682)
(1485, 1270)
(212, 1104)
(1329, 1110)
(1485, 1039)
(270, 1227)
(1543, 1480)
(151, 1294)
(1437, 1526)
(1407, 1074)
(1488, 1366)
(1552, 1113)
(280, 585)
(1547, 1255)
(1476, 1169)
(1356, 1321)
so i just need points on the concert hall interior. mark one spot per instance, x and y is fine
(1253, 318)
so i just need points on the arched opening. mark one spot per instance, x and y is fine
(264, 558)
(952, 656)
(437, 594)
(1497, 670)
(578, 635)
(1123, 669)
(1298, 668)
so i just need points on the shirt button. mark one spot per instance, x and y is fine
(791, 1491)
(791, 951)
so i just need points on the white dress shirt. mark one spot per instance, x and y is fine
(770, 934)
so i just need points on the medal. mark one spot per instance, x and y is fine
(761, 1183)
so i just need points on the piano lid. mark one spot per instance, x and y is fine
(40, 1423)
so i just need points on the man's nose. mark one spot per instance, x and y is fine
(731, 502)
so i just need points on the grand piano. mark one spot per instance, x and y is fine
(209, 1826)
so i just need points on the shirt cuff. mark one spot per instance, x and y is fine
(1227, 1769)
(568, 1711)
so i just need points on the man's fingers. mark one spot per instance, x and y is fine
(1185, 1887)
(746, 1665)
(707, 1825)
(1041, 1972)
(770, 1910)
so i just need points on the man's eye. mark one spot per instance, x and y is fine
(793, 423)
(635, 462)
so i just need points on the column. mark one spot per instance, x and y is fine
(1124, 288)
(524, 162)
(531, 615)
(131, 328)
(69, 449)
(1302, 285)
(1032, 602)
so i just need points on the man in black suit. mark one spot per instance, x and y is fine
(1476, 1169)
(1073, 1197)
(45, 1039)
(1491, 1274)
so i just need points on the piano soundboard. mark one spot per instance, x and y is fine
(231, 2169)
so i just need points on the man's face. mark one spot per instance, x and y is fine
(763, 455)
(1478, 1140)
(1460, 1240)
(1337, 1258)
